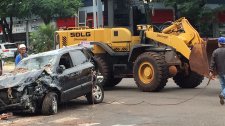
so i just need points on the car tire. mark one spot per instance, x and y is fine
(50, 104)
(96, 95)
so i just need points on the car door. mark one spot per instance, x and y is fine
(83, 64)
(69, 78)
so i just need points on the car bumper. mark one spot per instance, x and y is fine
(8, 54)
(12, 107)
(24, 105)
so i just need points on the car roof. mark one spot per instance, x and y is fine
(57, 51)
(7, 43)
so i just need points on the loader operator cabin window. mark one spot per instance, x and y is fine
(121, 12)
(66, 61)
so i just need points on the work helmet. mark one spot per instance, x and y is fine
(22, 46)
(221, 40)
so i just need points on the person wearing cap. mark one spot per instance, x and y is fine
(22, 53)
(217, 66)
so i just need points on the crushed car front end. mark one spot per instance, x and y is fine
(26, 93)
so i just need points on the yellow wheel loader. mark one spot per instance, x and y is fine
(176, 52)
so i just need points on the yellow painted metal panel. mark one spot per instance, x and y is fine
(99, 35)
(120, 34)
(170, 40)
(78, 36)
(135, 40)
(120, 47)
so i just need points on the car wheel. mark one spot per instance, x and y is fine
(96, 95)
(50, 104)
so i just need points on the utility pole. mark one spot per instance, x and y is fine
(27, 34)
(94, 14)
(99, 14)
(110, 13)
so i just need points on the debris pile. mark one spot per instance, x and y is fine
(5, 116)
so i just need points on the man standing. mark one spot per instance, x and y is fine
(218, 65)
(22, 53)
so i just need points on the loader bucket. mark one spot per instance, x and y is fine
(201, 55)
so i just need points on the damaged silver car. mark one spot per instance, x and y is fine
(42, 81)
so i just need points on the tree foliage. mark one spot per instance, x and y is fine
(48, 9)
(10, 9)
(43, 39)
(197, 12)
(45, 9)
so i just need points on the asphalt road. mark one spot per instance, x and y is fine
(125, 105)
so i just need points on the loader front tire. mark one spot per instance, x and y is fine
(150, 72)
(191, 80)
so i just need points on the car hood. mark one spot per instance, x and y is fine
(19, 79)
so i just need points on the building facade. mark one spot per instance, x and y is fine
(118, 13)
(21, 27)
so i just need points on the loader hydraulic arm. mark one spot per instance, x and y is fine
(180, 36)
(183, 29)
(186, 40)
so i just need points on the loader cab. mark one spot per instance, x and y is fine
(127, 14)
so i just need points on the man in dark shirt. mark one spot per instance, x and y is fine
(217, 65)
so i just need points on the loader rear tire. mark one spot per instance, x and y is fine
(191, 80)
(104, 69)
(150, 72)
(114, 82)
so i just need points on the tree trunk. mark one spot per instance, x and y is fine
(7, 29)
(47, 20)
(3, 29)
(176, 11)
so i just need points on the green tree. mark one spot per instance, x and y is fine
(43, 39)
(48, 9)
(45, 9)
(197, 13)
(10, 9)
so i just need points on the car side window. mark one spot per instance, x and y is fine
(66, 61)
(78, 57)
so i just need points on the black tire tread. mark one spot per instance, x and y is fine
(162, 72)
(188, 81)
(109, 80)
(104, 69)
(114, 82)
(46, 105)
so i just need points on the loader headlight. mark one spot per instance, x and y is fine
(139, 27)
(144, 27)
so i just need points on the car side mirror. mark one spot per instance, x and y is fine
(60, 69)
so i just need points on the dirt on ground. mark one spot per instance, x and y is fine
(8, 67)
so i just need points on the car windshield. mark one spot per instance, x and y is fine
(10, 46)
(37, 62)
